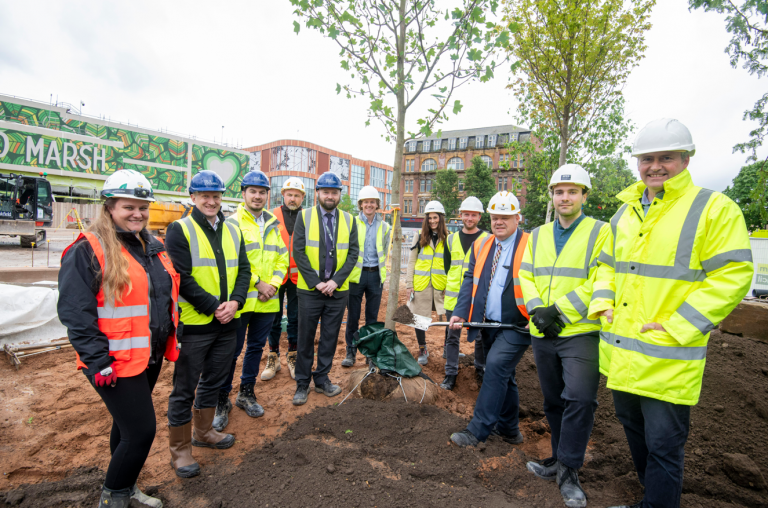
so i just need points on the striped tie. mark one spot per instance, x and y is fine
(493, 271)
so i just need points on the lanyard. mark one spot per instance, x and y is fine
(329, 234)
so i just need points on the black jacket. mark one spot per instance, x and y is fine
(289, 218)
(79, 283)
(302, 261)
(190, 290)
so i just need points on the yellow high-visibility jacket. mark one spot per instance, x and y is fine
(684, 265)
(565, 280)
(382, 244)
(459, 265)
(312, 229)
(430, 268)
(204, 268)
(267, 254)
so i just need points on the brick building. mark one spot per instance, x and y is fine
(289, 157)
(454, 150)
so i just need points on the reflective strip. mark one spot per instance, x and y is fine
(615, 222)
(721, 260)
(696, 318)
(592, 264)
(231, 263)
(252, 294)
(591, 244)
(660, 271)
(234, 221)
(578, 305)
(182, 299)
(307, 223)
(535, 302)
(437, 271)
(589, 321)
(456, 262)
(655, 350)
(271, 248)
(438, 255)
(605, 259)
(421, 272)
(475, 280)
(251, 246)
(359, 263)
(603, 293)
(526, 266)
(534, 239)
(235, 238)
(454, 294)
(282, 250)
(128, 344)
(194, 245)
(129, 311)
(313, 243)
(561, 271)
(519, 301)
(275, 296)
(295, 269)
(342, 246)
(278, 273)
(424, 257)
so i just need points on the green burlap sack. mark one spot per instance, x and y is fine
(382, 346)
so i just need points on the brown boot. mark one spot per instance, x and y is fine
(179, 440)
(204, 434)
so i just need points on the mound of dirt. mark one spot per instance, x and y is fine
(403, 315)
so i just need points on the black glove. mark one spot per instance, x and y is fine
(548, 321)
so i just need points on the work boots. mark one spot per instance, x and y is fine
(273, 366)
(205, 435)
(247, 400)
(350, 359)
(570, 488)
(546, 469)
(144, 499)
(423, 355)
(179, 442)
(290, 359)
(464, 439)
(115, 498)
(479, 373)
(223, 407)
(449, 382)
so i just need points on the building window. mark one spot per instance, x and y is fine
(293, 158)
(502, 185)
(409, 165)
(479, 141)
(514, 162)
(513, 136)
(425, 146)
(389, 181)
(378, 176)
(382, 199)
(412, 146)
(487, 161)
(356, 181)
(389, 200)
(421, 206)
(461, 185)
(436, 145)
(452, 144)
(429, 185)
(463, 143)
(456, 163)
(491, 140)
(429, 165)
(276, 198)
(422, 185)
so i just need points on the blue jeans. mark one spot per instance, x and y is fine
(569, 376)
(370, 285)
(656, 432)
(257, 325)
(498, 401)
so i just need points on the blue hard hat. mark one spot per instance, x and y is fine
(328, 180)
(254, 178)
(206, 181)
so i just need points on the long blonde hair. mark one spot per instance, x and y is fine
(114, 277)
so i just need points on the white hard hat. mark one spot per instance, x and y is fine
(368, 192)
(128, 183)
(663, 135)
(570, 173)
(504, 203)
(434, 207)
(294, 183)
(471, 204)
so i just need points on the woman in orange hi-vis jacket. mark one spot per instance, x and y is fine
(118, 299)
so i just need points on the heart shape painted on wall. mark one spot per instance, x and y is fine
(227, 167)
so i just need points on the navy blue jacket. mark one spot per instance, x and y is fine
(509, 311)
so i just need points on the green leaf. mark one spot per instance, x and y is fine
(333, 32)
(347, 431)
(338, 89)
(457, 107)
(296, 26)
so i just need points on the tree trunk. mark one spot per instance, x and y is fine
(397, 233)
(561, 162)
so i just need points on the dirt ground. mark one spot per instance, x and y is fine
(54, 442)
(12, 254)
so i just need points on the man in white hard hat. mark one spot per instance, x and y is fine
(293, 192)
(491, 295)
(677, 262)
(556, 275)
(458, 246)
(370, 272)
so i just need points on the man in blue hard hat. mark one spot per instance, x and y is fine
(325, 247)
(268, 256)
(210, 256)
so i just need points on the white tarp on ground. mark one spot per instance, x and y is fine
(28, 314)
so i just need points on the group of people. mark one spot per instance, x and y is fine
(634, 300)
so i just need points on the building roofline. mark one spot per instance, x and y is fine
(498, 129)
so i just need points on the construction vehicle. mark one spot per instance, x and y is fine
(162, 213)
(26, 207)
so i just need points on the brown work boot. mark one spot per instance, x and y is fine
(179, 441)
(273, 366)
(290, 359)
(205, 435)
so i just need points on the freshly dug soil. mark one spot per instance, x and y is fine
(378, 386)
(403, 315)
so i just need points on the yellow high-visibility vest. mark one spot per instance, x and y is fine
(685, 264)
(204, 268)
(459, 265)
(382, 243)
(430, 267)
(312, 228)
(267, 254)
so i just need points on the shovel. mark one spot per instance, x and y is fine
(424, 322)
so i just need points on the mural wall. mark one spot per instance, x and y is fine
(37, 139)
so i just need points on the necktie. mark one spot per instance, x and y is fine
(493, 271)
(328, 245)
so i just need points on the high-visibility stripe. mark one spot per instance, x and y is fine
(438, 255)
(231, 263)
(578, 305)
(129, 343)
(424, 257)
(589, 321)
(271, 248)
(313, 243)
(294, 270)
(561, 271)
(454, 294)
(252, 246)
(605, 259)
(278, 273)
(129, 311)
(696, 318)
(534, 238)
(422, 272)
(615, 222)
(528, 267)
(342, 246)
(655, 350)
(456, 262)
(603, 293)
(660, 271)
(533, 303)
(724, 258)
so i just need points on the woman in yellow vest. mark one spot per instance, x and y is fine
(426, 277)
(118, 299)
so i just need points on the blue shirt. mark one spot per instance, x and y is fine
(370, 254)
(563, 234)
(493, 302)
(647, 202)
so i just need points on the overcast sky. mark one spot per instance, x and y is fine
(194, 66)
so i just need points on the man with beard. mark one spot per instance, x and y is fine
(325, 247)
(293, 195)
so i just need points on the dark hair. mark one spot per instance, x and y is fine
(426, 231)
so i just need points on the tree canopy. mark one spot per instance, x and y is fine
(445, 189)
(744, 193)
(479, 182)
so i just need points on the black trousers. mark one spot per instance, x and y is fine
(286, 290)
(133, 425)
(311, 308)
(370, 285)
(202, 368)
